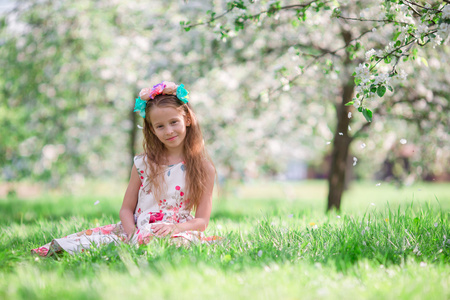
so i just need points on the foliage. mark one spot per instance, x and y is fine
(413, 24)
(265, 98)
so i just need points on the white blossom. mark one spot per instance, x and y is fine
(421, 29)
(370, 53)
(382, 78)
(362, 71)
(446, 12)
(436, 41)
(401, 74)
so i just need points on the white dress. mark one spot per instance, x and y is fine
(170, 208)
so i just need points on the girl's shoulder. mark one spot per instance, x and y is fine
(208, 166)
(140, 163)
(139, 159)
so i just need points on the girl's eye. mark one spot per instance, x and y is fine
(174, 122)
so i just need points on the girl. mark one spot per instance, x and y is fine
(173, 176)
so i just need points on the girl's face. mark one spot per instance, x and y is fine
(169, 125)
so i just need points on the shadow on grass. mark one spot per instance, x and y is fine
(13, 210)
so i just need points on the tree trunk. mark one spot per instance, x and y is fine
(341, 141)
(341, 144)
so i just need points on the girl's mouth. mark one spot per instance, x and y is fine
(172, 138)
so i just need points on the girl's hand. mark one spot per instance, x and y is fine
(162, 230)
(130, 236)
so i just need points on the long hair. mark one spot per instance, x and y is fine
(194, 151)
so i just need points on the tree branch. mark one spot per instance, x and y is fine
(372, 20)
(287, 7)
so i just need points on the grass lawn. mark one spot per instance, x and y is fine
(386, 243)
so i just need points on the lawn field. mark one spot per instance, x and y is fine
(385, 243)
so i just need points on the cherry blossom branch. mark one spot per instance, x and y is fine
(211, 20)
(316, 58)
(372, 20)
(412, 8)
(287, 7)
(421, 6)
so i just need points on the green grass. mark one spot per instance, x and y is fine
(386, 243)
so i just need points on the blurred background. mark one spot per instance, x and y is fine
(70, 71)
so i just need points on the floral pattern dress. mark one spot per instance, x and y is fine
(171, 208)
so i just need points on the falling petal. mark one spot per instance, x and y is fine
(436, 224)
(140, 127)
(290, 216)
(340, 133)
(363, 146)
(338, 217)
(349, 128)
(328, 143)
(349, 115)
(423, 264)
(355, 160)
(378, 184)
(260, 253)
(403, 141)
(96, 202)
(373, 204)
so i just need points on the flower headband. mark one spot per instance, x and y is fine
(163, 88)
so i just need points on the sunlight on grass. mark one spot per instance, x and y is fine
(278, 243)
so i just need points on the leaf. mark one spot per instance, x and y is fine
(349, 103)
(360, 109)
(367, 113)
(425, 62)
(381, 90)
(390, 88)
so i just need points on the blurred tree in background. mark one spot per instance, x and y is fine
(266, 98)
(329, 42)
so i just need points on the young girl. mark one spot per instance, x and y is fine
(173, 176)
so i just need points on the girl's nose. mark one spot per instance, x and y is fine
(169, 131)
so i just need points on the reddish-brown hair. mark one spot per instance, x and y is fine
(194, 151)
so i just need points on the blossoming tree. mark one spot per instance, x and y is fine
(389, 32)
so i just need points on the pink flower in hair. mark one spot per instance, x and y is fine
(157, 90)
(170, 89)
(145, 94)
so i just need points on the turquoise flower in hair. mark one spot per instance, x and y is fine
(140, 106)
(182, 93)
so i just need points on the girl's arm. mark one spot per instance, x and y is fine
(129, 203)
(202, 213)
